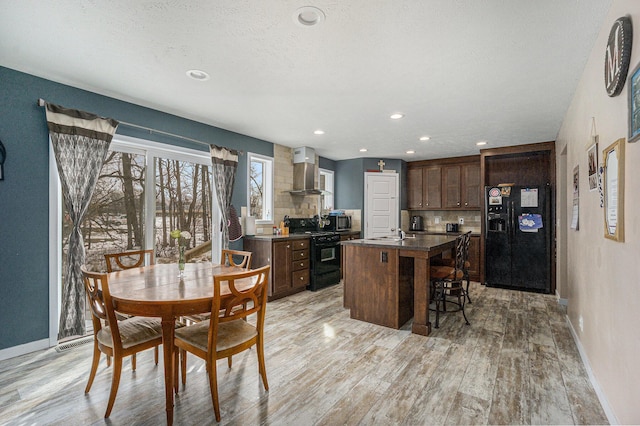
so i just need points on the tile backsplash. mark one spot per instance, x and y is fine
(472, 219)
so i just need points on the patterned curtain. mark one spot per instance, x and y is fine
(80, 143)
(225, 163)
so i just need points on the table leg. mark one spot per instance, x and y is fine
(168, 329)
(421, 324)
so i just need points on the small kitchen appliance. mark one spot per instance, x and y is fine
(452, 227)
(416, 224)
(336, 223)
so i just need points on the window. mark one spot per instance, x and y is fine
(326, 185)
(119, 212)
(145, 190)
(260, 191)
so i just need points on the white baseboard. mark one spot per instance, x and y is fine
(561, 301)
(26, 348)
(601, 396)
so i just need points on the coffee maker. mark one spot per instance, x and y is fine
(415, 224)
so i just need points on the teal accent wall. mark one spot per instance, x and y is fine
(24, 196)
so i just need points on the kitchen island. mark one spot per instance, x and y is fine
(386, 279)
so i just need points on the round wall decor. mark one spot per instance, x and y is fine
(617, 56)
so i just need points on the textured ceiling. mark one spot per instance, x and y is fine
(501, 71)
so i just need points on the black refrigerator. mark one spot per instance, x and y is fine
(518, 237)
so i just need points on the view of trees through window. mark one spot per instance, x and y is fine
(115, 220)
(260, 189)
(256, 186)
(183, 201)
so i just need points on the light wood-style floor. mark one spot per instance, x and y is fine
(515, 364)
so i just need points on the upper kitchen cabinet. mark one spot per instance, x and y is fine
(424, 187)
(444, 184)
(461, 186)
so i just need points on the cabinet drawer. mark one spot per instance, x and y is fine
(300, 255)
(300, 278)
(300, 244)
(300, 264)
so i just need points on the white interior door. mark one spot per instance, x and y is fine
(382, 204)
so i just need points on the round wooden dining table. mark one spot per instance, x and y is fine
(159, 291)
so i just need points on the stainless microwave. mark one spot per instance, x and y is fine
(337, 223)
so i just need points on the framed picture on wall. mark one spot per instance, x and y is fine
(614, 191)
(634, 105)
(592, 159)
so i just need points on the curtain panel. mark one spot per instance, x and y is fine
(80, 143)
(225, 164)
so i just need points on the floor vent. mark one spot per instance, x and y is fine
(73, 343)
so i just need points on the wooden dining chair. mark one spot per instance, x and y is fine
(228, 333)
(117, 339)
(238, 258)
(447, 281)
(128, 260)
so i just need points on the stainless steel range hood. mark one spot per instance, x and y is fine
(304, 172)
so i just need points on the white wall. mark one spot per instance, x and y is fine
(603, 277)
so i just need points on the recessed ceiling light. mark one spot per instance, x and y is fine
(318, 132)
(198, 75)
(308, 16)
(363, 149)
(425, 138)
(396, 116)
(481, 143)
(411, 151)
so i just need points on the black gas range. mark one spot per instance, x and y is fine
(324, 251)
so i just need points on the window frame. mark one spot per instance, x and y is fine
(268, 198)
(327, 193)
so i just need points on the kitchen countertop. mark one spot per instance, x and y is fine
(278, 237)
(419, 242)
(292, 236)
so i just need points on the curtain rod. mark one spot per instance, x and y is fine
(42, 102)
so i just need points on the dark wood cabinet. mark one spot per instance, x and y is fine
(414, 188)
(444, 184)
(424, 188)
(289, 260)
(470, 187)
(451, 187)
(461, 186)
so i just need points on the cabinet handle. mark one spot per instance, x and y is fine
(288, 246)
(420, 204)
(466, 204)
(427, 204)
(301, 278)
(301, 264)
(458, 202)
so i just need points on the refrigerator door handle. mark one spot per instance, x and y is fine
(512, 223)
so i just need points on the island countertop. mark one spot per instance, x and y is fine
(419, 242)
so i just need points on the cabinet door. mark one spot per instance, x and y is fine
(471, 195)
(414, 188)
(474, 259)
(451, 186)
(432, 187)
(281, 266)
